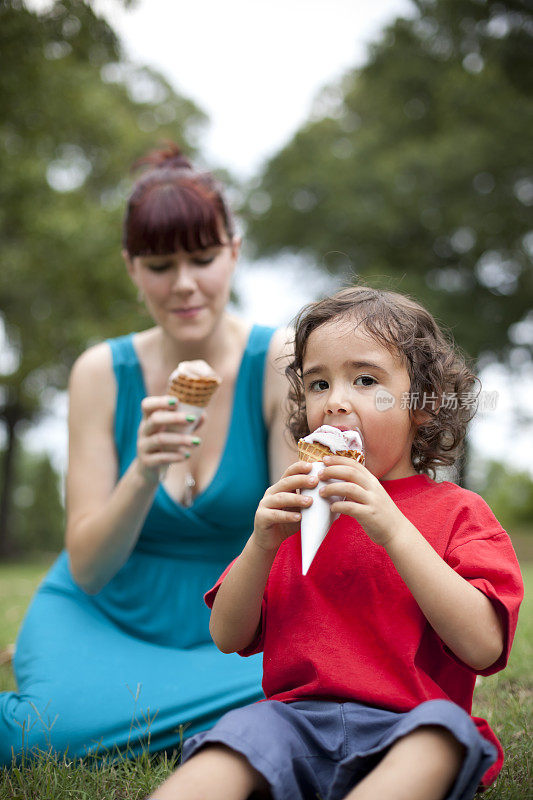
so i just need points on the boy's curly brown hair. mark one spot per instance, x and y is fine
(435, 366)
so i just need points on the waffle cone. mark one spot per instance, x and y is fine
(313, 451)
(193, 391)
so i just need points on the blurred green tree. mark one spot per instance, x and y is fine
(418, 167)
(509, 493)
(38, 515)
(74, 114)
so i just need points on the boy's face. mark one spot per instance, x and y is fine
(352, 381)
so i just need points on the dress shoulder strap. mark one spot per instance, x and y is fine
(130, 393)
(250, 384)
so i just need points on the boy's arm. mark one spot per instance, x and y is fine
(461, 615)
(236, 612)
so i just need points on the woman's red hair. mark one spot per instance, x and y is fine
(173, 207)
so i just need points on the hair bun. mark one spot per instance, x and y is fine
(168, 156)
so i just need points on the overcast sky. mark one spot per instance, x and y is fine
(254, 67)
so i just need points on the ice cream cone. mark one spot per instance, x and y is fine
(193, 391)
(317, 519)
(313, 451)
(193, 383)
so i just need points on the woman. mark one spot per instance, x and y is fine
(115, 650)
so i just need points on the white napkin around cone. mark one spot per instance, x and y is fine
(317, 519)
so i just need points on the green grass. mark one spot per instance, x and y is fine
(505, 700)
(18, 582)
(50, 778)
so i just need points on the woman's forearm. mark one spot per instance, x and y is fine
(236, 613)
(99, 543)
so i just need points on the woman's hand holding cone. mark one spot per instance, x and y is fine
(164, 436)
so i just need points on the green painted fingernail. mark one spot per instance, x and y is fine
(196, 440)
(172, 401)
(190, 418)
(187, 455)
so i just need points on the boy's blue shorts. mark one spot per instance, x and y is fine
(323, 748)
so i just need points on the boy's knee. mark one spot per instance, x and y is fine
(210, 769)
(443, 740)
(433, 746)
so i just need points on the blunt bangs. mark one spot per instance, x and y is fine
(165, 217)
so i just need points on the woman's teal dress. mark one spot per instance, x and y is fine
(135, 662)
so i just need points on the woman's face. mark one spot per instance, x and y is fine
(186, 293)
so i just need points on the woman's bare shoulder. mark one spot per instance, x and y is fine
(280, 351)
(276, 383)
(276, 408)
(92, 375)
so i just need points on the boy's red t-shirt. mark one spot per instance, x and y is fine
(350, 630)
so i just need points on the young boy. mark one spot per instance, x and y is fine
(370, 658)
